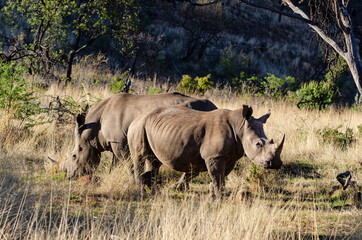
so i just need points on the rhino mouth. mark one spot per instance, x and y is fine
(273, 165)
(71, 169)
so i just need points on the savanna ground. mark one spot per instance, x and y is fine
(303, 200)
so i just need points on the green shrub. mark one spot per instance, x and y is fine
(316, 95)
(204, 83)
(278, 87)
(359, 127)
(231, 62)
(335, 137)
(16, 98)
(198, 85)
(187, 84)
(270, 85)
(249, 84)
(119, 82)
(153, 90)
(337, 69)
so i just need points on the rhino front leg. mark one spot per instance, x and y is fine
(216, 170)
(183, 182)
(120, 151)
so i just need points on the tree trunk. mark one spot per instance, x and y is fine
(70, 60)
(346, 26)
(350, 54)
(72, 56)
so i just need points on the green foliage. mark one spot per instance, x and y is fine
(270, 85)
(316, 95)
(16, 98)
(336, 70)
(231, 63)
(187, 84)
(278, 87)
(198, 85)
(255, 174)
(359, 127)
(337, 138)
(244, 83)
(118, 83)
(204, 83)
(154, 90)
(59, 30)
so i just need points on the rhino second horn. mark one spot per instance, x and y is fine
(280, 146)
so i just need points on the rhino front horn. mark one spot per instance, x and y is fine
(52, 161)
(280, 146)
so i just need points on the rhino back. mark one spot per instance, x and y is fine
(182, 138)
(121, 109)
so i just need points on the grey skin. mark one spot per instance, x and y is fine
(105, 127)
(192, 141)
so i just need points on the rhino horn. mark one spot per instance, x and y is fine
(279, 147)
(60, 166)
(265, 117)
(52, 161)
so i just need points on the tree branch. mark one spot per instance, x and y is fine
(318, 30)
(301, 18)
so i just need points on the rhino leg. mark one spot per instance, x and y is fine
(120, 151)
(183, 182)
(149, 177)
(216, 170)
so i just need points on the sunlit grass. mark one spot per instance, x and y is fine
(302, 200)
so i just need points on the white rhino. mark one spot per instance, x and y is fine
(192, 141)
(105, 127)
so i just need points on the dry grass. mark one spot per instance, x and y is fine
(300, 201)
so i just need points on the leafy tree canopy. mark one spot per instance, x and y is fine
(61, 29)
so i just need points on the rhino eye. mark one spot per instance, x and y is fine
(74, 156)
(80, 149)
(259, 144)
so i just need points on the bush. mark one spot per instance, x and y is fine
(269, 85)
(249, 84)
(231, 62)
(359, 127)
(337, 138)
(153, 90)
(316, 95)
(16, 98)
(278, 87)
(198, 85)
(119, 82)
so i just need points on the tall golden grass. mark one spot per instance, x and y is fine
(301, 201)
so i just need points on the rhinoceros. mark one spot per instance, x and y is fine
(192, 141)
(105, 127)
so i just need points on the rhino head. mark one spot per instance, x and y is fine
(86, 154)
(259, 149)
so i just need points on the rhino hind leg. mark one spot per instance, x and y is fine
(149, 176)
(183, 183)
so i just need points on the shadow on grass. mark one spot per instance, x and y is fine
(306, 236)
(300, 169)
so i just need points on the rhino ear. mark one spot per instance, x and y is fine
(265, 117)
(80, 120)
(247, 112)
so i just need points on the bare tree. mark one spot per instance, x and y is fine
(330, 19)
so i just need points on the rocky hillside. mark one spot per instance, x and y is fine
(224, 39)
